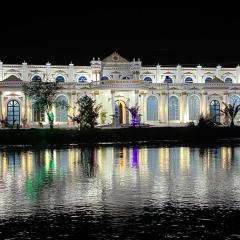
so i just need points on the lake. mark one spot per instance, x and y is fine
(120, 192)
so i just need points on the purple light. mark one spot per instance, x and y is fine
(135, 158)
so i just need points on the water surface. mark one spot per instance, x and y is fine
(120, 193)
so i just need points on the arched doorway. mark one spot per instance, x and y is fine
(13, 112)
(215, 110)
(121, 112)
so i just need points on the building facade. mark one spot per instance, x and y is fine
(165, 95)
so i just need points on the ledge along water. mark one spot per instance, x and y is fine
(35, 136)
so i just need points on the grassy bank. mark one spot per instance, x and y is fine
(65, 136)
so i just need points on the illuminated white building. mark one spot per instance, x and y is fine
(165, 95)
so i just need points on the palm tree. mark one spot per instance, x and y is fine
(230, 111)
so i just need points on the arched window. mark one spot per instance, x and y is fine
(60, 79)
(147, 79)
(61, 109)
(188, 80)
(82, 79)
(104, 78)
(215, 110)
(152, 108)
(173, 108)
(235, 99)
(36, 78)
(126, 77)
(13, 112)
(194, 108)
(37, 113)
(168, 80)
(208, 80)
(228, 80)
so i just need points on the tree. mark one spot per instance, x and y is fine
(88, 113)
(135, 115)
(43, 95)
(230, 111)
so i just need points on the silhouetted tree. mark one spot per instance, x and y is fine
(230, 111)
(88, 113)
(44, 95)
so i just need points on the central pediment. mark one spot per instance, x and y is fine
(115, 58)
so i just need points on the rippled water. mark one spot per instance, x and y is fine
(120, 193)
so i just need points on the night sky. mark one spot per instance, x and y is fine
(166, 35)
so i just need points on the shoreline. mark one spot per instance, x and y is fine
(120, 136)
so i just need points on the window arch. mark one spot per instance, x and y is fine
(36, 78)
(168, 80)
(13, 112)
(60, 79)
(235, 99)
(37, 113)
(228, 80)
(188, 80)
(215, 110)
(82, 79)
(194, 108)
(173, 108)
(152, 108)
(61, 109)
(104, 78)
(126, 77)
(208, 79)
(147, 79)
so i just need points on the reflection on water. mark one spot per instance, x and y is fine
(118, 182)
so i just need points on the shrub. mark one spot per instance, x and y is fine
(205, 122)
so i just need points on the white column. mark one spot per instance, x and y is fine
(144, 108)
(238, 74)
(71, 72)
(113, 101)
(98, 76)
(1, 114)
(1, 70)
(199, 74)
(226, 97)
(136, 97)
(183, 107)
(204, 103)
(163, 103)
(24, 71)
(158, 73)
(218, 71)
(48, 71)
(178, 74)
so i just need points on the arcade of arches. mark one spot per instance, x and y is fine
(165, 95)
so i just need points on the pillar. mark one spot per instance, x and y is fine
(178, 74)
(238, 74)
(71, 72)
(205, 109)
(199, 74)
(48, 71)
(183, 108)
(218, 71)
(136, 97)
(158, 73)
(1, 70)
(24, 71)
(1, 114)
(163, 106)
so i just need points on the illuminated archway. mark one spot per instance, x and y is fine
(121, 112)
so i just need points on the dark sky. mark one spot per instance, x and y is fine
(168, 35)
